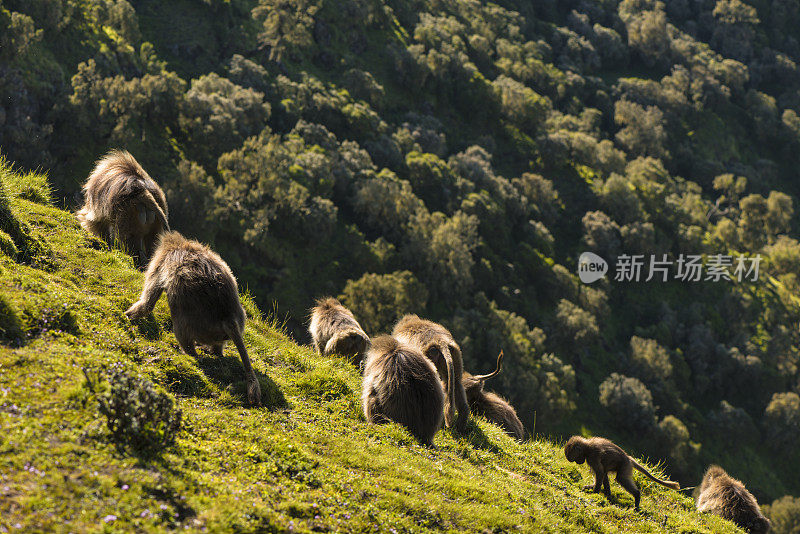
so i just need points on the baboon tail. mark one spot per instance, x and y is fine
(495, 372)
(253, 388)
(451, 385)
(233, 332)
(151, 204)
(665, 483)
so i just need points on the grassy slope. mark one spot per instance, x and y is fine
(309, 462)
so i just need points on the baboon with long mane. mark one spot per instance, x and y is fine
(400, 384)
(490, 405)
(335, 330)
(123, 205)
(727, 497)
(438, 345)
(604, 456)
(203, 300)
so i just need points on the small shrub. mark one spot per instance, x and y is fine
(139, 415)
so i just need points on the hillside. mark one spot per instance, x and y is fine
(454, 158)
(306, 462)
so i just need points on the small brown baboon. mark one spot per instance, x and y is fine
(728, 498)
(203, 299)
(334, 330)
(604, 456)
(400, 384)
(438, 345)
(123, 204)
(490, 405)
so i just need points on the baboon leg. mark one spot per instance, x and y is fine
(606, 485)
(186, 343)
(217, 349)
(626, 481)
(460, 395)
(599, 475)
(598, 481)
(462, 405)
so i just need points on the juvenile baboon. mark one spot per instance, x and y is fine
(490, 405)
(438, 345)
(728, 498)
(604, 456)
(400, 384)
(334, 330)
(123, 204)
(203, 299)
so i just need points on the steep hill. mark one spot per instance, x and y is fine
(306, 462)
(454, 158)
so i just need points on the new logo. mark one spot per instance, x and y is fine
(591, 267)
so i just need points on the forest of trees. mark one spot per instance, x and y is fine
(454, 158)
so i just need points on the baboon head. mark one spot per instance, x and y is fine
(350, 344)
(712, 473)
(575, 449)
(759, 525)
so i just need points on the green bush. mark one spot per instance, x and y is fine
(629, 402)
(139, 415)
(782, 420)
(784, 514)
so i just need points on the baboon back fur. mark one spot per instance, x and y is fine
(438, 345)
(493, 407)
(123, 204)
(728, 498)
(203, 299)
(335, 330)
(400, 384)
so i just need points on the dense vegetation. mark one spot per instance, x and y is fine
(106, 426)
(454, 158)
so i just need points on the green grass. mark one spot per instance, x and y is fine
(307, 462)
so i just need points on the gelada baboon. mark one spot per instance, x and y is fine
(438, 345)
(728, 498)
(604, 456)
(400, 384)
(123, 204)
(490, 405)
(203, 299)
(334, 330)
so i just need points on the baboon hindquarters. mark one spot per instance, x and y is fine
(204, 309)
(400, 385)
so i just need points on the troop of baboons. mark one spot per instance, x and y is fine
(414, 377)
